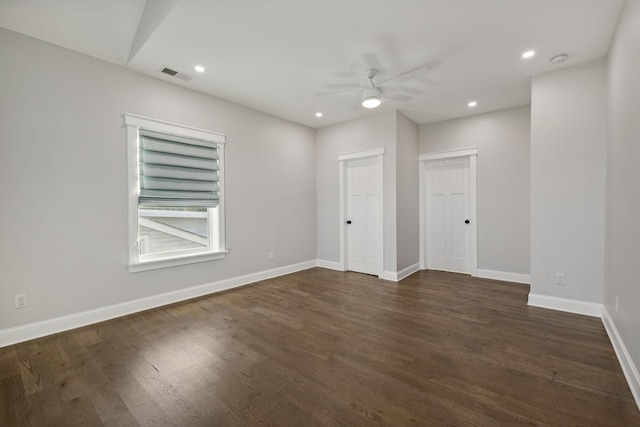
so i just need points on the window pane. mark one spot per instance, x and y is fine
(163, 230)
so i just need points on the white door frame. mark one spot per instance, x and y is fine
(423, 159)
(378, 154)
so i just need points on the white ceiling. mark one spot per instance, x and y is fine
(274, 55)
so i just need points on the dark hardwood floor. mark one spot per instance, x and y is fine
(326, 348)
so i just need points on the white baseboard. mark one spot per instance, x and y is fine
(329, 264)
(564, 304)
(504, 276)
(405, 272)
(628, 367)
(76, 320)
(389, 275)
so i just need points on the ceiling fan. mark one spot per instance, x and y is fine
(372, 94)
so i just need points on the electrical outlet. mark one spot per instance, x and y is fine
(560, 279)
(270, 255)
(21, 300)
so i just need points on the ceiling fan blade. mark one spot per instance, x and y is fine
(359, 71)
(356, 106)
(414, 74)
(346, 86)
(337, 93)
(398, 97)
(400, 89)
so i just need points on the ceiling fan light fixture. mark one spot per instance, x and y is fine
(371, 97)
(371, 102)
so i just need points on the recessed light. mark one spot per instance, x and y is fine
(199, 68)
(472, 104)
(528, 54)
(318, 114)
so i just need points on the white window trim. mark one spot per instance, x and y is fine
(133, 123)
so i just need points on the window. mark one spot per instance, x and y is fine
(176, 194)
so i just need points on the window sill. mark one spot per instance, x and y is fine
(153, 264)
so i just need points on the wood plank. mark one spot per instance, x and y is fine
(327, 348)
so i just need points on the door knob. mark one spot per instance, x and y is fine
(349, 222)
(466, 221)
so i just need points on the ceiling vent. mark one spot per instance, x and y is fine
(169, 71)
(174, 73)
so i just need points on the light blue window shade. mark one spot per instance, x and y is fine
(177, 171)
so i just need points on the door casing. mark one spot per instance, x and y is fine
(423, 159)
(378, 155)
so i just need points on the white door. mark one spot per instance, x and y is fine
(362, 216)
(447, 215)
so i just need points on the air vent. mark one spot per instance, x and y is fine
(176, 74)
(169, 71)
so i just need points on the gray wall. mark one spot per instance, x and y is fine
(623, 183)
(502, 138)
(63, 182)
(568, 149)
(370, 132)
(407, 196)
